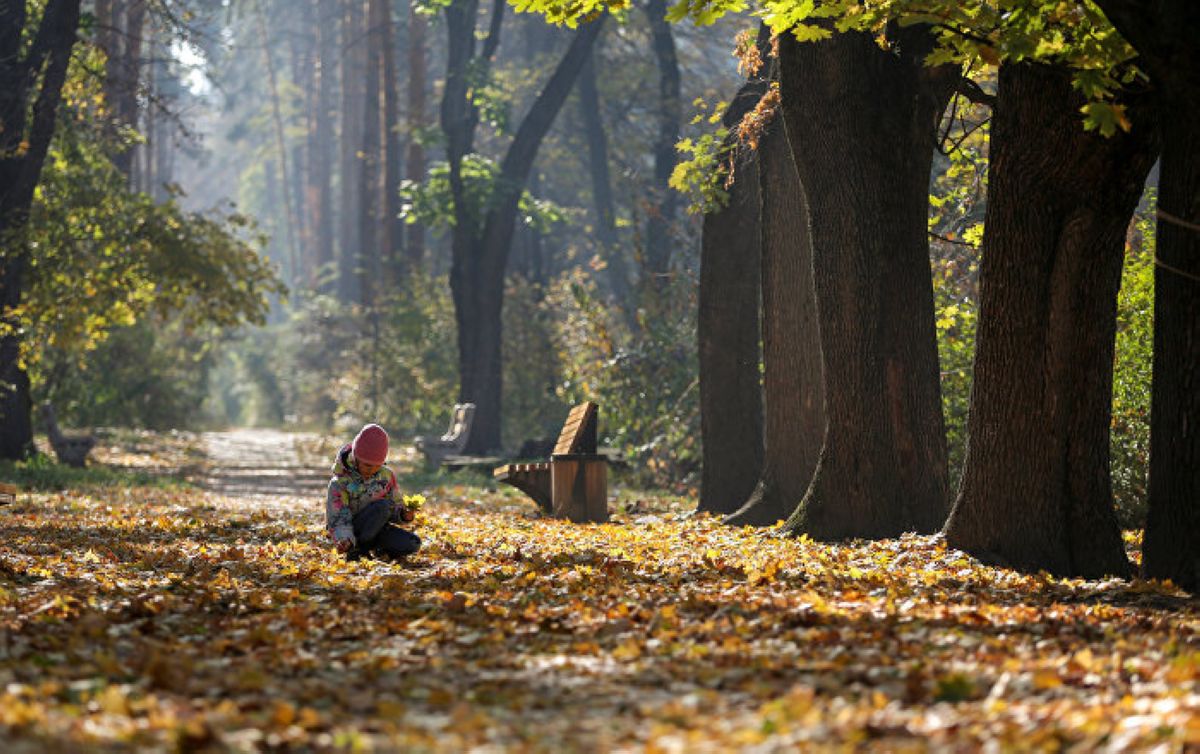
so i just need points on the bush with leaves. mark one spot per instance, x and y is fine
(643, 376)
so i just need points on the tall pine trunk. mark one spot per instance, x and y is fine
(731, 401)
(414, 168)
(371, 260)
(320, 159)
(792, 384)
(391, 227)
(353, 70)
(862, 120)
(1036, 491)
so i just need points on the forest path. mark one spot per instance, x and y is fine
(267, 466)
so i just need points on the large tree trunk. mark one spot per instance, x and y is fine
(354, 64)
(480, 261)
(414, 168)
(1036, 491)
(36, 77)
(1164, 34)
(731, 403)
(863, 121)
(663, 198)
(792, 384)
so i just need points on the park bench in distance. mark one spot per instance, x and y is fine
(437, 449)
(573, 484)
(8, 493)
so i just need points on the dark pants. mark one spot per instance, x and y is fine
(375, 534)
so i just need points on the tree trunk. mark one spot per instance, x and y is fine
(602, 198)
(372, 258)
(1036, 491)
(414, 168)
(37, 76)
(864, 120)
(391, 227)
(320, 155)
(124, 72)
(792, 384)
(1163, 33)
(731, 402)
(479, 263)
(663, 198)
(354, 64)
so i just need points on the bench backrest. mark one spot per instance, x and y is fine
(579, 431)
(460, 423)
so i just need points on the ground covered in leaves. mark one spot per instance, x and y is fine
(178, 618)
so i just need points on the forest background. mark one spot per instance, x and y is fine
(199, 135)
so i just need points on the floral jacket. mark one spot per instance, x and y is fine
(349, 493)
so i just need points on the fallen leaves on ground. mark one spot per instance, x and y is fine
(161, 619)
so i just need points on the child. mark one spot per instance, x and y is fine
(363, 500)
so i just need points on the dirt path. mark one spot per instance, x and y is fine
(265, 465)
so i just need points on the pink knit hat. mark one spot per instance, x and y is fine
(370, 445)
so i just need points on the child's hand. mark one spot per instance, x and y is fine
(406, 515)
(344, 545)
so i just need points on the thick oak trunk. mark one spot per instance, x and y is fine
(1036, 491)
(1172, 544)
(1164, 34)
(30, 91)
(731, 404)
(862, 120)
(793, 391)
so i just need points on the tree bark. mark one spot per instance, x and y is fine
(414, 168)
(320, 155)
(37, 77)
(731, 402)
(603, 204)
(1036, 491)
(662, 198)
(864, 120)
(372, 257)
(793, 390)
(123, 73)
(391, 228)
(481, 257)
(353, 57)
(1163, 33)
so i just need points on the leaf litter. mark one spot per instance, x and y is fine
(185, 620)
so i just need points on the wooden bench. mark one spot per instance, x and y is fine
(8, 493)
(71, 449)
(573, 484)
(437, 449)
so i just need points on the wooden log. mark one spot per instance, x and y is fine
(579, 488)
